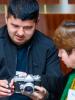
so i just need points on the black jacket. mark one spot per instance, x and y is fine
(42, 59)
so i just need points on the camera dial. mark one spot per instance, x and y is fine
(29, 78)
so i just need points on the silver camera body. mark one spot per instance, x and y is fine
(26, 84)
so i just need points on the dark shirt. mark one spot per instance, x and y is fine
(21, 66)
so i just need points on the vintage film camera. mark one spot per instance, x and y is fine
(26, 84)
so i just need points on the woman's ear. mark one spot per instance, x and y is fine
(73, 50)
(60, 52)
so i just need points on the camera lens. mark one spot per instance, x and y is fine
(29, 88)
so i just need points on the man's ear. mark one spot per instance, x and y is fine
(6, 14)
(38, 19)
(37, 22)
(5, 19)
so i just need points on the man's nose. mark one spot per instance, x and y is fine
(20, 31)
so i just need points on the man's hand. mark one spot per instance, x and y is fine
(39, 94)
(4, 88)
(11, 85)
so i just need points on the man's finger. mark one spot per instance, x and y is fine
(4, 83)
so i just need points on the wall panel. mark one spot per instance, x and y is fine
(52, 1)
(48, 1)
(49, 22)
(2, 20)
(3, 1)
(71, 1)
(40, 1)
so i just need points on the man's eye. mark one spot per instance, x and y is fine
(28, 27)
(16, 26)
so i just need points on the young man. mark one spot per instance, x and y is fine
(25, 49)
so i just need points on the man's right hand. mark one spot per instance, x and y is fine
(4, 88)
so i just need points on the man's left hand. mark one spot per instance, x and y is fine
(39, 94)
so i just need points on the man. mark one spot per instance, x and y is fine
(25, 49)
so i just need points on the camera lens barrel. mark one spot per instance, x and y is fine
(27, 88)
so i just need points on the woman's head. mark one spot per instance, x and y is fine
(64, 38)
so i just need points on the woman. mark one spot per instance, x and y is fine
(64, 38)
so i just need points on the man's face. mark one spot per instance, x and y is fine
(20, 31)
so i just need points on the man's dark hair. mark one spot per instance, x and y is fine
(23, 9)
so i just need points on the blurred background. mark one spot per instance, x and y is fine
(52, 13)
